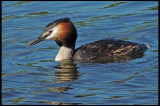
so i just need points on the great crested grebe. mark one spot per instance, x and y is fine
(64, 33)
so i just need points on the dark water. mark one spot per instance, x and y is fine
(30, 76)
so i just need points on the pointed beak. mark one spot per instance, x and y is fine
(37, 40)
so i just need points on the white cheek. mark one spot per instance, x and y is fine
(53, 34)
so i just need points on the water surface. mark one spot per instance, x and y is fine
(30, 76)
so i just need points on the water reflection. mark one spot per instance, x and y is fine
(66, 72)
(58, 103)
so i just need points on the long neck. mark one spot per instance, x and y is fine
(65, 53)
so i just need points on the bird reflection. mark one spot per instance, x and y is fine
(66, 71)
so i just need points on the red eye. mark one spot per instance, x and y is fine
(50, 31)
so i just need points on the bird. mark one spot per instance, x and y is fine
(64, 32)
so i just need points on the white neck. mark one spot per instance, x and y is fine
(64, 53)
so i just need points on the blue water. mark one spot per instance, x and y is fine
(31, 76)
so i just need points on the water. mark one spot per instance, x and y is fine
(30, 76)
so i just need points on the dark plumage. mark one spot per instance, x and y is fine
(108, 48)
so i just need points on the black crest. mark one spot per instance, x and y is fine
(56, 22)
